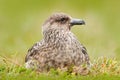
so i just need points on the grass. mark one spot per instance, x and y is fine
(102, 69)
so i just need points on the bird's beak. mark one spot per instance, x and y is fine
(77, 22)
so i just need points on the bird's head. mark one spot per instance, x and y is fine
(61, 21)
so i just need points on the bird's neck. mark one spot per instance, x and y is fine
(55, 36)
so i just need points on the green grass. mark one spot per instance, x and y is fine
(102, 69)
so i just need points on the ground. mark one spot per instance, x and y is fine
(101, 69)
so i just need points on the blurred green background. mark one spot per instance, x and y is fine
(21, 21)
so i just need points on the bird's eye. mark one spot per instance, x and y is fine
(63, 19)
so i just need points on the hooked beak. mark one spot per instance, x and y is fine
(77, 22)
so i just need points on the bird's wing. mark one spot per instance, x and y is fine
(34, 50)
(84, 51)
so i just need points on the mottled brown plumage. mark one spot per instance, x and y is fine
(59, 47)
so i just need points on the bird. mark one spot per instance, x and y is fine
(59, 47)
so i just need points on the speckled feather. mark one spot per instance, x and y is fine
(59, 47)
